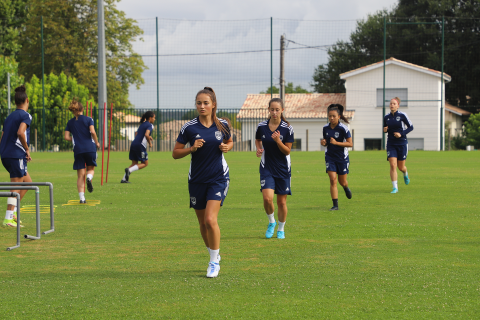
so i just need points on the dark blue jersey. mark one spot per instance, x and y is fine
(81, 136)
(274, 162)
(10, 146)
(398, 122)
(340, 133)
(207, 163)
(140, 138)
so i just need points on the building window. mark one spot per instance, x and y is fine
(373, 144)
(297, 145)
(402, 93)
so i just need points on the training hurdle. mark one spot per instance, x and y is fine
(16, 195)
(31, 186)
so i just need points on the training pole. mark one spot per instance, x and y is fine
(16, 195)
(103, 140)
(109, 140)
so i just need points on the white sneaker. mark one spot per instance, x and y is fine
(213, 269)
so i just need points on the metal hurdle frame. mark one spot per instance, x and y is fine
(31, 186)
(17, 195)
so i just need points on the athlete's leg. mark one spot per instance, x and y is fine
(203, 227)
(142, 164)
(210, 218)
(282, 207)
(80, 180)
(393, 168)
(11, 207)
(401, 166)
(26, 178)
(333, 184)
(268, 195)
(342, 179)
(90, 171)
(134, 163)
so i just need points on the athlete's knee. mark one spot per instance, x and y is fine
(333, 182)
(282, 201)
(210, 222)
(146, 163)
(267, 199)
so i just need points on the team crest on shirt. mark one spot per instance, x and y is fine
(337, 134)
(218, 135)
(281, 138)
(193, 200)
(398, 118)
(262, 183)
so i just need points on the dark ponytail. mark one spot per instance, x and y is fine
(147, 115)
(279, 101)
(20, 95)
(339, 108)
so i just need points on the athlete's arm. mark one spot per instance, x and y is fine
(346, 144)
(23, 139)
(94, 136)
(149, 138)
(179, 150)
(258, 145)
(284, 148)
(67, 136)
(226, 145)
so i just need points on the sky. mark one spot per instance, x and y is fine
(225, 44)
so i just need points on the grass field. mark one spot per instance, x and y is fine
(139, 254)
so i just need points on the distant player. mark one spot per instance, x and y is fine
(138, 148)
(208, 178)
(81, 131)
(398, 125)
(14, 150)
(336, 139)
(274, 139)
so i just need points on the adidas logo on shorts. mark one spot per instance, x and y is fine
(218, 194)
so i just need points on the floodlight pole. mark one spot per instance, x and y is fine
(271, 58)
(442, 101)
(102, 71)
(8, 92)
(384, 58)
(282, 70)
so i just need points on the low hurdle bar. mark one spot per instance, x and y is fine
(37, 184)
(17, 195)
(37, 209)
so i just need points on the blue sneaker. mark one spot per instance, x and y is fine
(270, 230)
(406, 179)
(280, 234)
(394, 190)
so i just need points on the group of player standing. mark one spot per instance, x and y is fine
(208, 137)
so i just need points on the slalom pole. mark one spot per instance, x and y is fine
(103, 136)
(109, 140)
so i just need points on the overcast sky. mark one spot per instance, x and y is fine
(196, 48)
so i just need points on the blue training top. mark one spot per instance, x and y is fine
(10, 146)
(398, 122)
(140, 138)
(274, 162)
(81, 136)
(207, 163)
(340, 133)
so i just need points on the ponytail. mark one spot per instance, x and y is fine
(339, 108)
(279, 101)
(75, 107)
(147, 115)
(220, 126)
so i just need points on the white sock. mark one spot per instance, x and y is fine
(214, 255)
(281, 225)
(405, 174)
(81, 195)
(90, 176)
(9, 215)
(271, 217)
(134, 168)
(395, 185)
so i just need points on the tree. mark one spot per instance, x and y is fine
(13, 14)
(418, 44)
(289, 88)
(8, 65)
(70, 42)
(472, 130)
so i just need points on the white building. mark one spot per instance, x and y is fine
(420, 90)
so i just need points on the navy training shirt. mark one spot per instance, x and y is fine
(10, 146)
(207, 164)
(140, 138)
(398, 122)
(274, 162)
(81, 136)
(340, 133)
